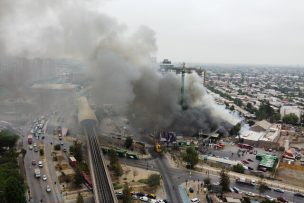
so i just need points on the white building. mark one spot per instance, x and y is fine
(285, 110)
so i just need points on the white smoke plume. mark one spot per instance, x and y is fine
(119, 63)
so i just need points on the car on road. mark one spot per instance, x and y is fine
(237, 190)
(250, 168)
(64, 149)
(299, 194)
(34, 162)
(35, 149)
(35, 145)
(44, 177)
(250, 160)
(269, 198)
(278, 190)
(30, 147)
(48, 188)
(282, 199)
(40, 164)
(144, 199)
(195, 200)
(61, 143)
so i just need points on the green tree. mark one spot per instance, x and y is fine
(265, 111)
(14, 190)
(79, 198)
(7, 139)
(154, 180)
(78, 179)
(57, 147)
(231, 108)
(76, 150)
(291, 119)
(246, 200)
(262, 187)
(238, 168)
(126, 194)
(191, 156)
(41, 151)
(224, 180)
(235, 129)
(275, 117)
(128, 142)
(114, 163)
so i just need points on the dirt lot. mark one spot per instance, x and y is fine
(132, 175)
(291, 176)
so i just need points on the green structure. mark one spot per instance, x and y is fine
(267, 160)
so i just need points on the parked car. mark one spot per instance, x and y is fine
(250, 160)
(33, 162)
(40, 164)
(195, 200)
(144, 199)
(245, 162)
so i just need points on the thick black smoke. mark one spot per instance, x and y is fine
(118, 62)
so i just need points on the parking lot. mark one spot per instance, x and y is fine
(232, 151)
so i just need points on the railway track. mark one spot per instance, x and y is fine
(103, 189)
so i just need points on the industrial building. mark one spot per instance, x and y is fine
(262, 134)
(267, 161)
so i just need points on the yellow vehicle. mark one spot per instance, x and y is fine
(158, 148)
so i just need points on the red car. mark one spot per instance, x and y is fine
(250, 160)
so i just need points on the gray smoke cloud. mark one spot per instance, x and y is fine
(119, 63)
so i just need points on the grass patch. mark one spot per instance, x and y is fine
(117, 186)
(144, 181)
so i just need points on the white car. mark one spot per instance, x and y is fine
(35, 145)
(269, 198)
(40, 164)
(30, 147)
(48, 188)
(44, 177)
(144, 199)
(195, 200)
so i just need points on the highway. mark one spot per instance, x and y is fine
(38, 186)
(102, 184)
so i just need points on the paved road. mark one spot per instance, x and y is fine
(38, 186)
(173, 177)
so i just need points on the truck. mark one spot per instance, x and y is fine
(37, 173)
(73, 161)
(245, 181)
(30, 139)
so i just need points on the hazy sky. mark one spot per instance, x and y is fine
(219, 31)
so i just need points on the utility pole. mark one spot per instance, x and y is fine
(182, 101)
